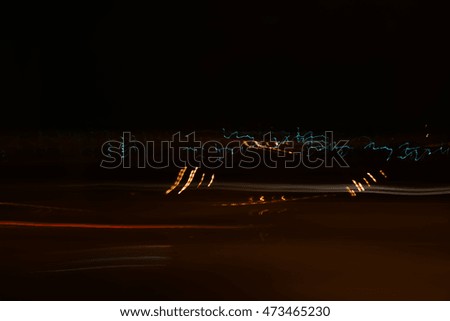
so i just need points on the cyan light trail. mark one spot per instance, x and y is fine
(403, 151)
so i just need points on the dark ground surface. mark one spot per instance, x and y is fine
(314, 246)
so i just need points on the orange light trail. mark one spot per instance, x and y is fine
(115, 226)
(201, 180)
(361, 186)
(373, 178)
(211, 181)
(357, 186)
(178, 180)
(189, 181)
(258, 145)
(350, 191)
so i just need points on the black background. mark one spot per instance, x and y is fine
(365, 66)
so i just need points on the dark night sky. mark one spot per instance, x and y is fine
(363, 65)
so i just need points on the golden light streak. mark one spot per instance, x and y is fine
(373, 178)
(211, 181)
(350, 191)
(201, 180)
(367, 182)
(178, 180)
(361, 186)
(356, 184)
(258, 145)
(189, 181)
(382, 173)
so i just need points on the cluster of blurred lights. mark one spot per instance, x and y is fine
(189, 180)
(359, 187)
(261, 200)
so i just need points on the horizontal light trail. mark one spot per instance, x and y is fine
(105, 267)
(290, 188)
(116, 227)
(324, 188)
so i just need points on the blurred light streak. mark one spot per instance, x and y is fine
(201, 180)
(104, 267)
(357, 185)
(178, 180)
(361, 186)
(371, 176)
(350, 191)
(211, 181)
(189, 181)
